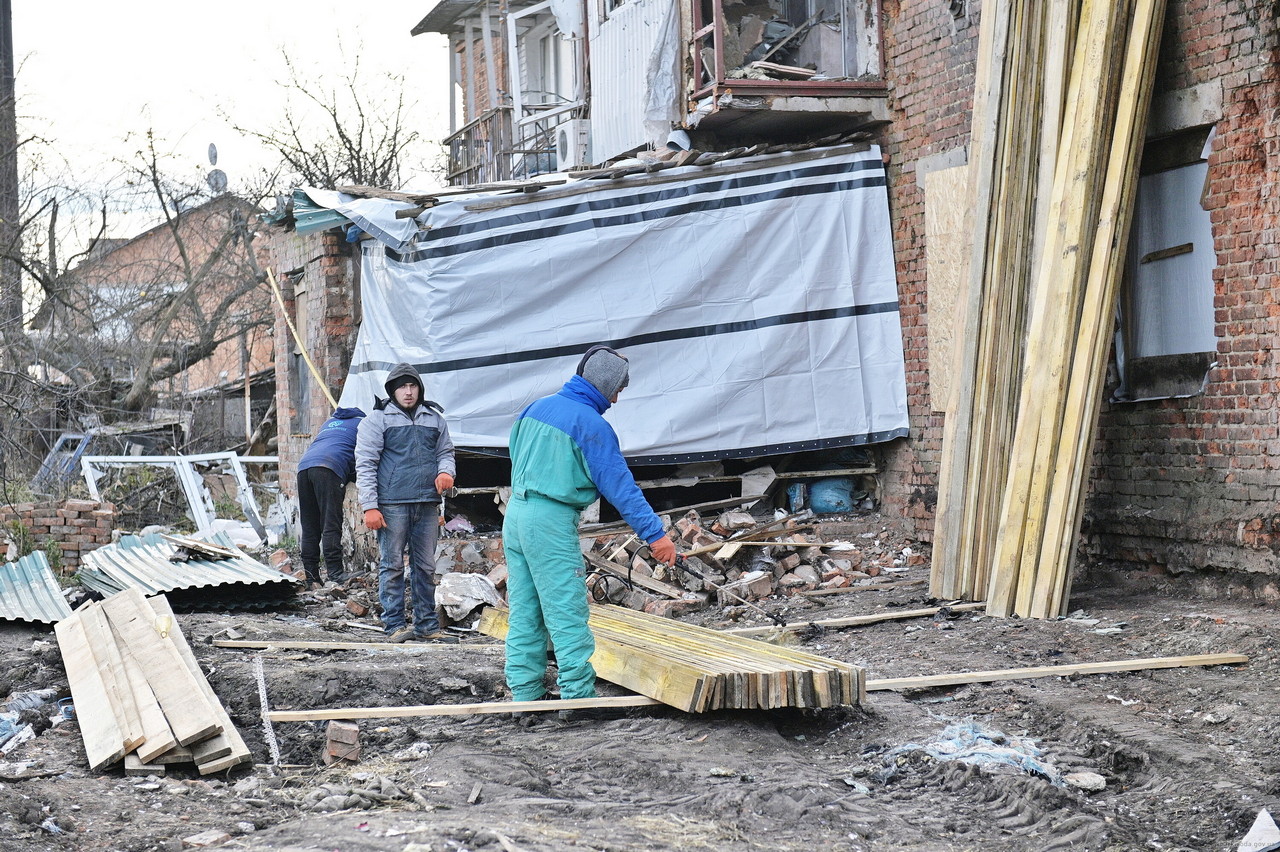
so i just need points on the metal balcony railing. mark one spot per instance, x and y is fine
(494, 148)
(480, 152)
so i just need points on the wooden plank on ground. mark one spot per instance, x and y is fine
(484, 708)
(854, 620)
(177, 754)
(185, 707)
(696, 670)
(313, 645)
(133, 766)
(159, 739)
(114, 677)
(228, 748)
(99, 728)
(1108, 667)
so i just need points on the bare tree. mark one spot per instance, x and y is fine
(346, 132)
(113, 325)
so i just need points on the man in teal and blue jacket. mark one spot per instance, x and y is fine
(564, 455)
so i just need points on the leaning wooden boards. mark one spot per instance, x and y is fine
(1050, 239)
(697, 670)
(138, 689)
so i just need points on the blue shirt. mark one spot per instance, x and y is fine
(334, 446)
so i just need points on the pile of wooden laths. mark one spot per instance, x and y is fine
(1061, 98)
(138, 692)
(696, 670)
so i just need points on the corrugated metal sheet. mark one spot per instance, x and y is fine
(306, 216)
(144, 563)
(620, 45)
(30, 592)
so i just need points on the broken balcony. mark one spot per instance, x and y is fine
(786, 68)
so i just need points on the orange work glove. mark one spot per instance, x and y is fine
(443, 482)
(663, 550)
(373, 519)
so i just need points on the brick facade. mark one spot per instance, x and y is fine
(1189, 484)
(327, 274)
(1179, 484)
(328, 280)
(75, 526)
(929, 64)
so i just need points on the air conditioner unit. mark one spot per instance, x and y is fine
(573, 144)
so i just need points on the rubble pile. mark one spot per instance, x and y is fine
(730, 556)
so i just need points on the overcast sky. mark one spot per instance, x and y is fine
(89, 73)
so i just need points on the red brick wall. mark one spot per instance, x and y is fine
(331, 276)
(76, 526)
(472, 111)
(1182, 484)
(1187, 484)
(929, 63)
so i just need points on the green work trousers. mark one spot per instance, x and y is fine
(548, 597)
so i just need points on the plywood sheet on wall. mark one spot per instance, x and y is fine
(948, 237)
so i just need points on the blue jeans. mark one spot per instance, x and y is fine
(412, 526)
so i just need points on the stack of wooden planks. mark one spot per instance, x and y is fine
(1044, 281)
(139, 693)
(697, 670)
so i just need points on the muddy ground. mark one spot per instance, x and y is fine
(1185, 758)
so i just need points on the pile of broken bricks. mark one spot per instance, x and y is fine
(743, 555)
(734, 556)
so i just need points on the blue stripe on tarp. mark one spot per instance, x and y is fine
(500, 358)
(632, 218)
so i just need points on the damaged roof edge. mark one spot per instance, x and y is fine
(443, 17)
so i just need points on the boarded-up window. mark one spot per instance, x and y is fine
(299, 374)
(1166, 342)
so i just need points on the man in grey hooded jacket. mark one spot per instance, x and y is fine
(404, 461)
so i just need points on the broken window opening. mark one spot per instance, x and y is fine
(786, 41)
(1166, 342)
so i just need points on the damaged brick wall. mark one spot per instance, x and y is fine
(330, 284)
(929, 58)
(1191, 484)
(1178, 484)
(75, 526)
(329, 280)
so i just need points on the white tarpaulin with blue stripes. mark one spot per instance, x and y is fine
(755, 298)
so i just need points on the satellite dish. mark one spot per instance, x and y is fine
(217, 180)
(213, 154)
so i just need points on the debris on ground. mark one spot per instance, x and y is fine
(1168, 758)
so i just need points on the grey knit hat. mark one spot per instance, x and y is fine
(606, 369)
